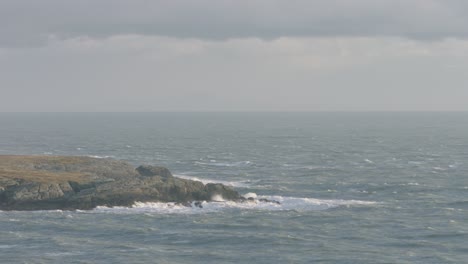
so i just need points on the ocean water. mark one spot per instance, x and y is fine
(354, 188)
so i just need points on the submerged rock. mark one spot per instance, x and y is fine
(57, 182)
(268, 201)
(252, 197)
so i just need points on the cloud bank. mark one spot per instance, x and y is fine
(30, 22)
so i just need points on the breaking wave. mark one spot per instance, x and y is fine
(239, 184)
(285, 204)
(256, 202)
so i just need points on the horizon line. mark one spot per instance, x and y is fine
(246, 111)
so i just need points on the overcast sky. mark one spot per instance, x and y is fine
(220, 55)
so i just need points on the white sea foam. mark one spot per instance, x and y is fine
(217, 198)
(416, 162)
(285, 204)
(250, 195)
(239, 184)
(99, 157)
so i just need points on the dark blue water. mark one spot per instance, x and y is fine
(355, 188)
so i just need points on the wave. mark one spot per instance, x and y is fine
(259, 202)
(285, 204)
(224, 164)
(238, 184)
(99, 157)
(8, 246)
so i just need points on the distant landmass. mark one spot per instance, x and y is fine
(76, 182)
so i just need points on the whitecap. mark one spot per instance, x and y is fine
(99, 157)
(311, 204)
(269, 203)
(224, 164)
(312, 167)
(147, 207)
(239, 184)
(7, 246)
(250, 195)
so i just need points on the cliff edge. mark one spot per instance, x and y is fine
(75, 182)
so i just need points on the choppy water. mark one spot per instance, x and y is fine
(354, 187)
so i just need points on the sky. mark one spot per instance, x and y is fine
(233, 55)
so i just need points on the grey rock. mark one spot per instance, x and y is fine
(48, 182)
(268, 201)
(150, 171)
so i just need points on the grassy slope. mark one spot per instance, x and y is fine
(25, 168)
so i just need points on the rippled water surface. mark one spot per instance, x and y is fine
(353, 187)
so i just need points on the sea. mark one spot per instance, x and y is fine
(357, 187)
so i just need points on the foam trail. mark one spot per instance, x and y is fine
(286, 204)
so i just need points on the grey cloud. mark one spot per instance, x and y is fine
(24, 23)
(142, 73)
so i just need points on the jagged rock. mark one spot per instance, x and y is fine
(57, 182)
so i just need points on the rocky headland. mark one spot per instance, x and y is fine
(69, 183)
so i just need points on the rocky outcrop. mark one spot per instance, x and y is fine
(57, 182)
